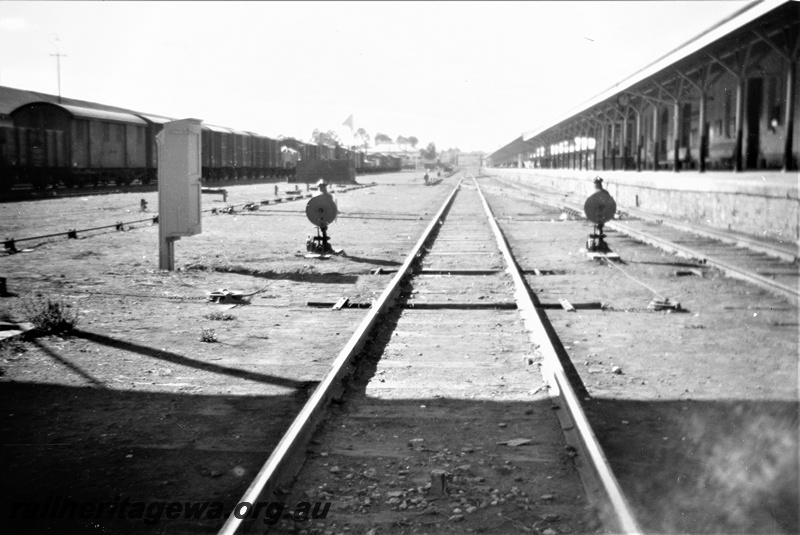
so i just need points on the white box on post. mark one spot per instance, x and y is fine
(179, 186)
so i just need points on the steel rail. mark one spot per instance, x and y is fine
(615, 509)
(282, 463)
(783, 252)
(291, 197)
(671, 247)
(75, 231)
(729, 269)
(154, 219)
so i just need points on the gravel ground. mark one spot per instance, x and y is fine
(696, 410)
(135, 404)
(700, 425)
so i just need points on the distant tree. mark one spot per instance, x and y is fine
(382, 138)
(362, 138)
(329, 138)
(413, 141)
(402, 140)
(430, 152)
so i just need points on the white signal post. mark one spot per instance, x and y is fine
(179, 186)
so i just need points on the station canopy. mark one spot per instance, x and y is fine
(754, 21)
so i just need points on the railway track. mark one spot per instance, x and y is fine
(773, 267)
(22, 193)
(677, 408)
(288, 195)
(459, 409)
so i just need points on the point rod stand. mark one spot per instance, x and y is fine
(596, 242)
(320, 244)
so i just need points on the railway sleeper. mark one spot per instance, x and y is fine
(445, 427)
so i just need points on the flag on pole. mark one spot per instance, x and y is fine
(349, 122)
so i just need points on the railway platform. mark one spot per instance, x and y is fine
(761, 204)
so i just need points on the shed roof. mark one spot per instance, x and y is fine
(736, 21)
(747, 14)
(511, 149)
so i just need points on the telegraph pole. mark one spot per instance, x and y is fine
(58, 55)
(58, 67)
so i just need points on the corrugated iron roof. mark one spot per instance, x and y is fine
(726, 26)
(735, 21)
(511, 150)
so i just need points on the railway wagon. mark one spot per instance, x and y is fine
(326, 153)
(242, 156)
(264, 158)
(216, 152)
(371, 162)
(260, 155)
(98, 145)
(343, 153)
(292, 151)
(313, 152)
(155, 123)
(31, 155)
(289, 159)
(394, 163)
(359, 157)
(305, 152)
(382, 163)
(229, 154)
(74, 143)
(275, 160)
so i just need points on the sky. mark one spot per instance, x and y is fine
(469, 75)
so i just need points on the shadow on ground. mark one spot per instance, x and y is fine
(704, 466)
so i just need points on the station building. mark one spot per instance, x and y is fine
(709, 132)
